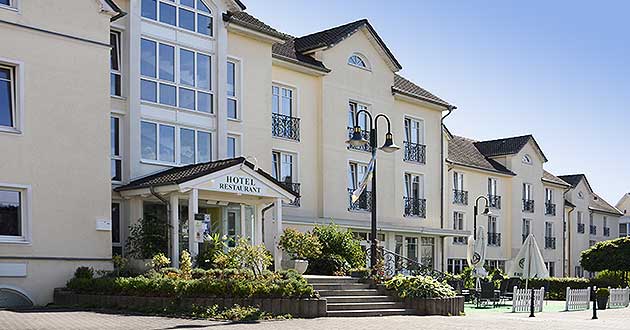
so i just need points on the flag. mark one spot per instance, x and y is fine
(365, 181)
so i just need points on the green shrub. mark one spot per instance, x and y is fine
(300, 245)
(340, 251)
(602, 292)
(148, 237)
(84, 272)
(210, 250)
(185, 265)
(556, 287)
(159, 261)
(169, 270)
(331, 264)
(419, 287)
(607, 278)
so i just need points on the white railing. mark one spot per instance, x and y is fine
(521, 300)
(619, 298)
(578, 299)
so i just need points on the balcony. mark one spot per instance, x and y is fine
(580, 228)
(528, 205)
(550, 243)
(593, 229)
(285, 127)
(365, 135)
(606, 231)
(415, 207)
(364, 203)
(550, 209)
(415, 152)
(295, 187)
(494, 201)
(494, 239)
(460, 197)
(462, 240)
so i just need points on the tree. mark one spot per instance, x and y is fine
(613, 255)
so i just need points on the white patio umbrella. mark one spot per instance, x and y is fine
(476, 255)
(529, 262)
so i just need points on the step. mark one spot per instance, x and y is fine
(358, 299)
(371, 312)
(340, 286)
(364, 306)
(356, 292)
(314, 279)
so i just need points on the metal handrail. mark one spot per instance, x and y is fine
(395, 264)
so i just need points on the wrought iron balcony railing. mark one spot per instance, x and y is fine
(580, 228)
(494, 239)
(550, 242)
(364, 203)
(284, 126)
(607, 231)
(550, 209)
(415, 207)
(593, 230)
(494, 201)
(366, 136)
(460, 197)
(295, 187)
(528, 205)
(415, 152)
(461, 240)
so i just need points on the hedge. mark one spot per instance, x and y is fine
(556, 287)
(216, 283)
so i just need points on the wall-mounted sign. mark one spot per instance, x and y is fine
(239, 184)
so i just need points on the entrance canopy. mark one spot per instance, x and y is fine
(233, 176)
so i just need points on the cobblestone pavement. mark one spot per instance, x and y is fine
(67, 320)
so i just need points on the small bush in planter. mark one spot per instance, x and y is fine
(419, 287)
(602, 295)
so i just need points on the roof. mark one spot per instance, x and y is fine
(462, 151)
(572, 179)
(119, 12)
(406, 87)
(178, 175)
(569, 204)
(286, 51)
(599, 204)
(246, 20)
(506, 146)
(333, 36)
(554, 179)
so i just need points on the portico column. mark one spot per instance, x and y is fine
(258, 224)
(174, 201)
(277, 253)
(193, 208)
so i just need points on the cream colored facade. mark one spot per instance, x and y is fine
(55, 156)
(624, 222)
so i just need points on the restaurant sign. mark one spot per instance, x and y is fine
(239, 184)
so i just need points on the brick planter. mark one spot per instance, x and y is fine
(297, 307)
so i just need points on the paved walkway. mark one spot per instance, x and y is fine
(67, 320)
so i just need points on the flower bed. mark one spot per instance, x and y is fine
(426, 295)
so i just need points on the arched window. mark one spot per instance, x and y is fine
(527, 159)
(356, 60)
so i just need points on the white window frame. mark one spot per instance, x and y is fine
(13, 5)
(459, 223)
(366, 65)
(238, 144)
(493, 221)
(281, 87)
(529, 226)
(549, 229)
(294, 164)
(549, 195)
(16, 69)
(356, 106)
(177, 141)
(357, 178)
(493, 187)
(177, 5)
(528, 191)
(409, 180)
(25, 212)
(527, 159)
(120, 227)
(458, 181)
(118, 157)
(177, 78)
(118, 72)
(421, 135)
(238, 88)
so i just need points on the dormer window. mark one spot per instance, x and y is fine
(527, 160)
(356, 60)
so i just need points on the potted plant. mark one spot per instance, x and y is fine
(147, 238)
(602, 297)
(299, 247)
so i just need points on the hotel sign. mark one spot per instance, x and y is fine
(239, 184)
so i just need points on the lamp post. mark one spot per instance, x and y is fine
(486, 212)
(389, 146)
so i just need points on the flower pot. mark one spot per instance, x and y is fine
(602, 302)
(299, 266)
(139, 266)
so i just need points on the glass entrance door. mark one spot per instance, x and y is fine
(232, 224)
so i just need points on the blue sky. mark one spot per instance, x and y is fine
(559, 70)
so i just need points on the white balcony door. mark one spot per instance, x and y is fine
(414, 186)
(414, 131)
(458, 181)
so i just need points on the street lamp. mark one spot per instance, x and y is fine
(389, 146)
(486, 212)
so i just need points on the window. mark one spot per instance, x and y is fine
(458, 181)
(527, 159)
(551, 267)
(414, 131)
(623, 229)
(548, 229)
(232, 103)
(526, 228)
(13, 214)
(527, 191)
(7, 97)
(427, 252)
(578, 271)
(492, 187)
(115, 71)
(492, 225)
(412, 248)
(458, 224)
(116, 240)
(549, 195)
(414, 186)
(116, 159)
(160, 68)
(187, 142)
(282, 101)
(232, 146)
(191, 15)
(353, 109)
(356, 60)
(283, 166)
(456, 266)
(7, 3)
(194, 146)
(494, 264)
(356, 172)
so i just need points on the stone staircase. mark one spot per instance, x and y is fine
(347, 297)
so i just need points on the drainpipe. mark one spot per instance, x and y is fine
(168, 216)
(566, 238)
(262, 224)
(450, 110)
